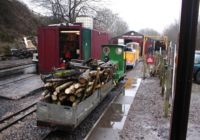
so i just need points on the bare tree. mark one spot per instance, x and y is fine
(172, 32)
(68, 10)
(106, 20)
(148, 31)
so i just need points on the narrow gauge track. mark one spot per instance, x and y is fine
(15, 117)
(16, 80)
(10, 66)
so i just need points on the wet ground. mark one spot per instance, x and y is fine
(125, 118)
(111, 123)
(194, 116)
(113, 119)
(145, 119)
(13, 63)
(20, 86)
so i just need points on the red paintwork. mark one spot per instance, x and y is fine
(133, 39)
(48, 51)
(48, 45)
(98, 39)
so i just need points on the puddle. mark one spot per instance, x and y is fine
(132, 82)
(131, 87)
(114, 118)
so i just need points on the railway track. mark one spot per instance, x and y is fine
(19, 78)
(13, 118)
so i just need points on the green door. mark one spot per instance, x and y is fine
(86, 43)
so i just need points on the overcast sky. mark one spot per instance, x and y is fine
(139, 14)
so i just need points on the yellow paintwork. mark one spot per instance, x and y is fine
(132, 56)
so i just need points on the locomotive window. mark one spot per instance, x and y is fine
(118, 51)
(128, 49)
(106, 50)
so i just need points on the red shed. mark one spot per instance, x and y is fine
(98, 39)
(57, 43)
(132, 36)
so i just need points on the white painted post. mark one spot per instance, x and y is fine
(174, 73)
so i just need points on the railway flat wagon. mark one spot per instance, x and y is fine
(66, 117)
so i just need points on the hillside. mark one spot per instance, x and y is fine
(16, 20)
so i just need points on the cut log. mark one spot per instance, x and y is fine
(56, 80)
(66, 73)
(96, 80)
(62, 97)
(79, 94)
(45, 93)
(70, 89)
(48, 85)
(78, 85)
(84, 78)
(90, 83)
(79, 66)
(98, 86)
(89, 89)
(87, 61)
(79, 90)
(54, 97)
(63, 86)
(55, 93)
(72, 98)
(76, 102)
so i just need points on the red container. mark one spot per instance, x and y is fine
(97, 40)
(49, 46)
(54, 42)
(48, 49)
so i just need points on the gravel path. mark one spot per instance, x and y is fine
(145, 118)
(194, 117)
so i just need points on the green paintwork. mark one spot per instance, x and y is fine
(117, 59)
(86, 43)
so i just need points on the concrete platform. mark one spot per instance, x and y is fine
(20, 88)
(23, 69)
(113, 119)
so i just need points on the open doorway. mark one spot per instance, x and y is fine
(69, 44)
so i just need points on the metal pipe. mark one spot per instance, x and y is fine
(187, 37)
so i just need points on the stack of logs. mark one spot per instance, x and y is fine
(73, 85)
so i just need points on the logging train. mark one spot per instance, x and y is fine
(76, 89)
(81, 70)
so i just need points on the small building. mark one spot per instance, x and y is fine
(132, 36)
(59, 42)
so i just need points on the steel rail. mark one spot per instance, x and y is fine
(16, 120)
(18, 112)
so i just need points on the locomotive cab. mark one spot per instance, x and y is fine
(116, 55)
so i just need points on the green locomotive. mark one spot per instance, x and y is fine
(115, 54)
(70, 116)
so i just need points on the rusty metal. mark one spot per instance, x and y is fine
(187, 38)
